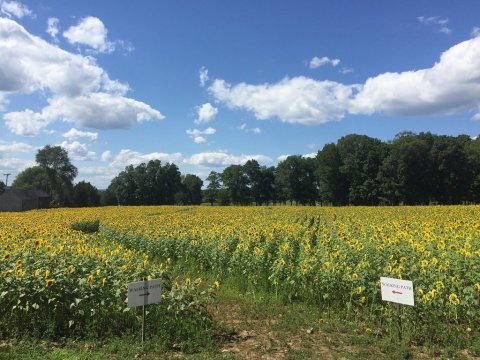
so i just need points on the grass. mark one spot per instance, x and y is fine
(253, 324)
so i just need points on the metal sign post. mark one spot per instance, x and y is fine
(143, 293)
(400, 292)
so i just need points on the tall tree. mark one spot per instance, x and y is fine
(2, 187)
(332, 186)
(295, 180)
(253, 173)
(472, 150)
(34, 177)
(214, 185)
(405, 174)
(236, 182)
(85, 195)
(451, 170)
(191, 193)
(60, 172)
(362, 157)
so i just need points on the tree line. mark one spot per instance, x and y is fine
(411, 169)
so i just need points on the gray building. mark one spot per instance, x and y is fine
(22, 200)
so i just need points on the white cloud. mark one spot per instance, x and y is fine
(316, 62)
(26, 123)
(107, 156)
(203, 76)
(451, 86)
(14, 147)
(346, 70)
(206, 113)
(100, 111)
(14, 9)
(92, 32)
(436, 22)
(310, 155)
(476, 117)
(78, 151)
(475, 31)
(282, 157)
(14, 165)
(52, 27)
(129, 157)
(95, 110)
(196, 134)
(30, 64)
(296, 100)
(221, 159)
(76, 134)
(255, 130)
(199, 140)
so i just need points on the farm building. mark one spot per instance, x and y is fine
(22, 200)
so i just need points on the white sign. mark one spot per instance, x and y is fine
(144, 292)
(397, 291)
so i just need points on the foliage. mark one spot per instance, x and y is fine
(332, 257)
(85, 194)
(32, 178)
(2, 187)
(60, 173)
(86, 226)
(56, 283)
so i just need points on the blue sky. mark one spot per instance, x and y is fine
(206, 84)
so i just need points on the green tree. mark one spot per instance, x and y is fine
(236, 182)
(472, 150)
(214, 185)
(332, 186)
(405, 175)
(451, 170)
(362, 157)
(191, 193)
(2, 187)
(34, 177)
(295, 180)
(85, 195)
(60, 173)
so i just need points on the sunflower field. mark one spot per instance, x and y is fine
(333, 257)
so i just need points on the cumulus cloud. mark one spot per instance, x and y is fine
(129, 157)
(316, 62)
(26, 123)
(475, 31)
(80, 91)
(197, 135)
(222, 159)
(78, 151)
(92, 32)
(14, 9)
(292, 100)
(246, 129)
(14, 147)
(450, 86)
(205, 113)
(436, 22)
(107, 156)
(52, 27)
(73, 134)
(203, 76)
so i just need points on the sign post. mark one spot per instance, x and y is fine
(142, 293)
(400, 292)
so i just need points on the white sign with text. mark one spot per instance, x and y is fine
(146, 292)
(397, 291)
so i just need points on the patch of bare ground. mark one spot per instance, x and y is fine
(265, 335)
